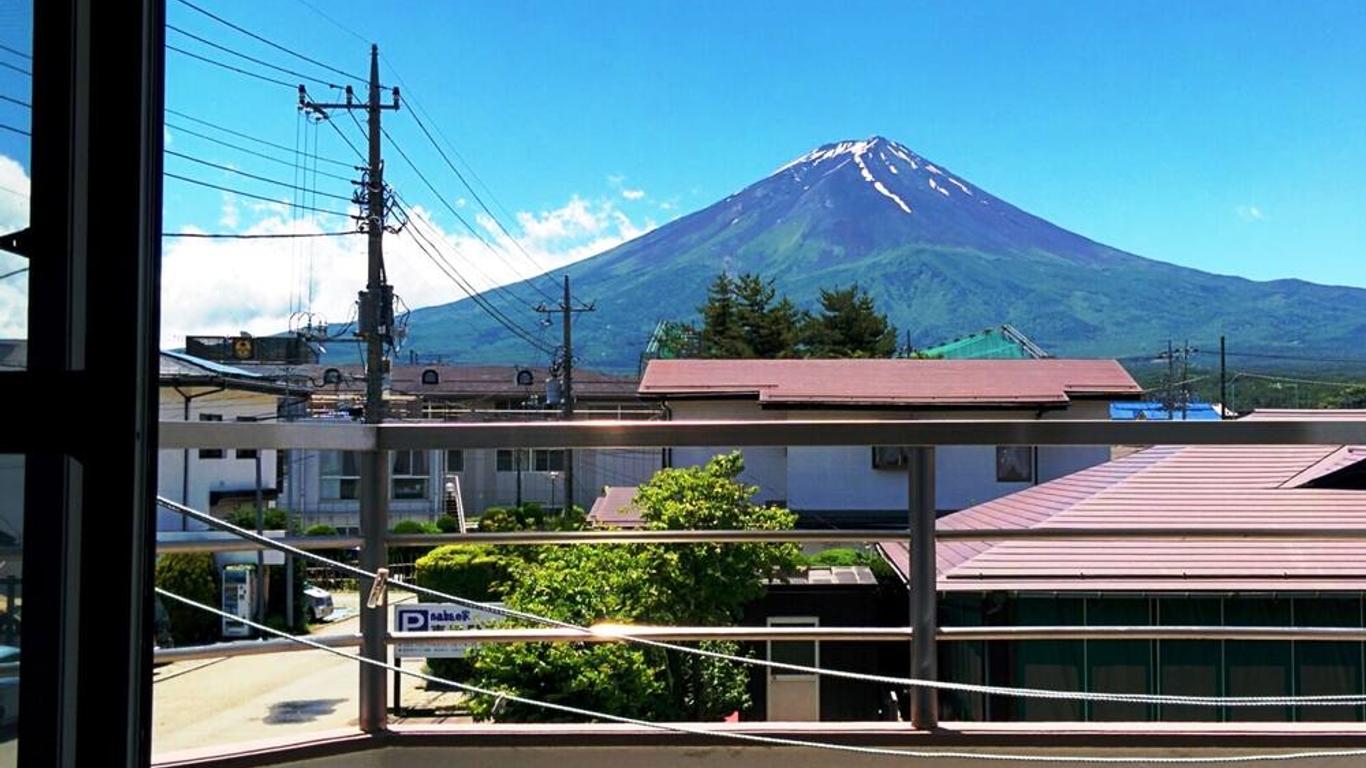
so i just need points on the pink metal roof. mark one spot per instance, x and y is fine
(614, 508)
(891, 382)
(1216, 487)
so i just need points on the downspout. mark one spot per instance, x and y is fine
(185, 453)
(666, 454)
(1034, 452)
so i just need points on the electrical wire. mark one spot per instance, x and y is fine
(271, 43)
(253, 196)
(623, 633)
(228, 66)
(15, 272)
(249, 151)
(280, 236)
(473, 231)
(13, 100)
(20, 131)
(252, 59)
(248, 136)
(266, 179)
(783, 741)
(16, 68)
(16, 52)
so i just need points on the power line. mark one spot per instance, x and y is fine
(248, 136)
(16, 52)
(475, 194)
(252, 59)
(237, 236)
(16, 68)
(1301, 358)
(271, 43)
(265, 179)
(479, 236)
(19, 131)
(227, 66)
(15, 272)
(13, 100)
(250, 151)
(254, 196)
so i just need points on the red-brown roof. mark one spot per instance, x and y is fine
(1216, 487)
(891, 382)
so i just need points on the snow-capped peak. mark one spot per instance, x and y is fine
(839, 148)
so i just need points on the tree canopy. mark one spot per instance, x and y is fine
(745, 317)
(704, 584)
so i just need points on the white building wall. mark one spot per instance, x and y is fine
(842, 478)
(229, 473)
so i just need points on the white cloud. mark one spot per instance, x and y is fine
(229, 218)
(1249, 213)
(14, 201)
(633, 194)
(227, 286)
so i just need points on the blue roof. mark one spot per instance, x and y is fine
(206, 366)
(1155, 411)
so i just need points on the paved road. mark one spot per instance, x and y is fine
(198, 704)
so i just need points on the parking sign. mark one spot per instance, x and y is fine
(437, 617)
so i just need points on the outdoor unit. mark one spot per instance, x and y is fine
(239, 593)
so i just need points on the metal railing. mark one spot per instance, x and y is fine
(920, 534)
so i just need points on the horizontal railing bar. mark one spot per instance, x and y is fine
(185, 544)
(250, 648)
(618, 536)
(876, 634)
(655, 434)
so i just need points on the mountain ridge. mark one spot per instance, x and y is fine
(941, 256)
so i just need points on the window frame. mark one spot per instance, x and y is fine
(410, 475)
(210, 454)
(341, 476)
(1030, 465)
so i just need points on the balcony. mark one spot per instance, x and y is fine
(382, 738)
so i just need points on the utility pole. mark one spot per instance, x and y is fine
(375, 321)
(1223, 381)
(567, 310)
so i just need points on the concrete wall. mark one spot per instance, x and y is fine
(229, 473)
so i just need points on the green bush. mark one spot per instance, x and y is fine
(531, 516)
(838, 556)
(196, 577)
(465, 570)
(414, 526)
(244, 516)
(448, 524)
(321, 529)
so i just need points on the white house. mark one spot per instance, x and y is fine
(863, 485)
(213, 479)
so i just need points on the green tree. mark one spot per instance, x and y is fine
(721, 334)
(768, 324)
(848, 325)
(1349, 397)
(693, 584)
(191, 575)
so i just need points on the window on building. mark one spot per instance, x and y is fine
(210, 453)
(409, 475)
(246, 453)
(340, 473)
(506, 460)
(1014, 463)
(547, 460)
(890, 457)
(455, 460)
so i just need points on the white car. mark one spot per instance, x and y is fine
(317, 603)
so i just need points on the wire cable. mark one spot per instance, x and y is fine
(265, 179)
(271, 43)
(20, 131)
(13, 100)
(623, 633)
(228, 66)
(281, 236)
(16, 68)
(249, 137)
(249, 150)
(20, 53)
(15, 272)
(252, 59)
(783, 741)
(211, 185)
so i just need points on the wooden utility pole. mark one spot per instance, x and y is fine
(375, 321)
(567, 310)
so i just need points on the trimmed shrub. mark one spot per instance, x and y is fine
(194, 576)
(466, 570)
(244, 516)
(414, 526)
(448, 524)
(321, 529)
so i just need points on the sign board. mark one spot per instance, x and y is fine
(437, 617)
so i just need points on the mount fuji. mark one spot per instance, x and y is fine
(941, 256)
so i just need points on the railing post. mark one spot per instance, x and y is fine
(923, 609)
(374, 525)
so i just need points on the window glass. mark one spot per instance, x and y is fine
(1014, 463)
(1119, 666)
(246, 453)
(340, 476)
(1189, 667)
(1258, 667)
(1328, 669)
(1053, 664)
(210, 453)
(455, 460)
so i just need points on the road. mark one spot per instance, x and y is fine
(206, 703)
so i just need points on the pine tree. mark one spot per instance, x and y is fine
(848, 325)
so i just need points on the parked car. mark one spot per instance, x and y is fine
(317, 603)
(9, 685)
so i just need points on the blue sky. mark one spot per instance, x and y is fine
(1225, 136)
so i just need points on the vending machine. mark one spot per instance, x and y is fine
(239, 595)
